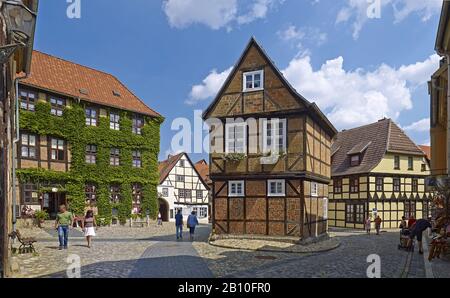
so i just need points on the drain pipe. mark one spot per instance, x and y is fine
(16, 138)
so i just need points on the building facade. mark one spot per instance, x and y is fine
(85, 141)
(270, 154)
(181, 187)
(377, 170)
(440, 109)
(15, 62)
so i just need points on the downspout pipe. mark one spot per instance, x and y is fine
(15, 138)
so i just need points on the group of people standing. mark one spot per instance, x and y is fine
(368, 224)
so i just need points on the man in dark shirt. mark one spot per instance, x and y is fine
(417, 230)
(179, 224)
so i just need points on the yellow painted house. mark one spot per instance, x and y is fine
(440, 109)
(377, 170)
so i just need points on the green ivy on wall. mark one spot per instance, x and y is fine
(71, 127)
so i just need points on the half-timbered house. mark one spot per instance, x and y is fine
(270, 159)
(377, 170)
(182, 187)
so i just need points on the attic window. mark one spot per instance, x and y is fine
(355, 160)
(253, 80)
(84, 91)
(116, 93)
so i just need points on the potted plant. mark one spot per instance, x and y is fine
(41, 216)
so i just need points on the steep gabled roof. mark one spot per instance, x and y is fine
(203, 169)
(427, 150)
(73, 80)
(166, 166)
(372, 142)
(312, 107)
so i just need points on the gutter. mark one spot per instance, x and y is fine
(16, 139)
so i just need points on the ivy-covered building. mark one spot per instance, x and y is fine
(85, 141)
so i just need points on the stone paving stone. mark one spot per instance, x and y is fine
(173, 258)
(349, 260)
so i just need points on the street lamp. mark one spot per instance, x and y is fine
(20, 26)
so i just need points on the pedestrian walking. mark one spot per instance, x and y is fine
(89, 225)
(192, 222)
(417, 231)
(64, 221)
(179, 224)
(368, 225)
(378, 222)
(159, 219)
(411, 221)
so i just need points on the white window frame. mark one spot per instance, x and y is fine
(276, 194)
(314, 189)
(114, 120)
(242, 125)
(274, 147)
(253, 73)
(236, 194)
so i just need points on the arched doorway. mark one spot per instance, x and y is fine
(163, 209)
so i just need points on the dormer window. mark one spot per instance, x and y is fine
(355, 160)
(253, 80)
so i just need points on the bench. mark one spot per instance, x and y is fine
(26, 243)
(139, 222)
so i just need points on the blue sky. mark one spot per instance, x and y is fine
(175, 54)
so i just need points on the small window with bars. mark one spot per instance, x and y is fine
(27, 100)
(410, 163)
(137, 161)
(114, 119)
(91, 154)
(57, 106)
(415, 185)
(179, 178)
(30, 194)
(114, 194)
(354, 185)
(337, 186)
(199, 195)
(57, 151)
(355, 213)
(91, 194)
(396, 186)
(138, 123)
(91, 117)
(379, 184)
(114, 157)
(28, 146)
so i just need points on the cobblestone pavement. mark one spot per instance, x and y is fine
(349, 260)
(173, 258)
(154, 252)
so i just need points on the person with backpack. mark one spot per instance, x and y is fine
(192, 222)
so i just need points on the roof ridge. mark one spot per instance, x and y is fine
(103, 73)
(364, 126)
(75, 63)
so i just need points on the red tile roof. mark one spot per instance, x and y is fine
(68, 78)
(426, 150)
(203, 170)
(167, 165)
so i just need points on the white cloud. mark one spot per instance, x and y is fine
(357, 11)
(349, 98)
(209, 87)
(419, 126)
(216, 14)
(358, 97)
(308, 34)
(425, 8)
